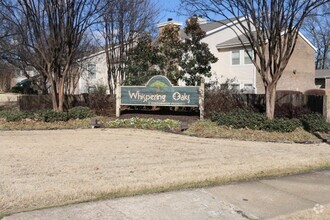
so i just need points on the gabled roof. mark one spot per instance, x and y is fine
(235, 42)
(212, 27)
(322, 74)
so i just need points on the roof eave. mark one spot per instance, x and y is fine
(232, 45)
(224, 26)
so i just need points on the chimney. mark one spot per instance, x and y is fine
(168, 22)
(201, 20)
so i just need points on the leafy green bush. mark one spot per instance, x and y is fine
(47, 115)
(52, 116)
(242, 118)
(13, 116)
(80, 112)
(3, 113)
(145, 123)
(315, 122)
(281, 125)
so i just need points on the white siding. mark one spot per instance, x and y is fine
(101, 77)
(223, 69)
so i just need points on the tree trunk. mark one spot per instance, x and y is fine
(44, 89)
(61, 94)
(54, 96)
(270, 92)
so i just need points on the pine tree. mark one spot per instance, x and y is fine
(197, 58)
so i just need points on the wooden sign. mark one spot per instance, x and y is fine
(159, 91)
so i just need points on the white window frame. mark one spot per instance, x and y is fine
(246, 57)
(239, 57)
(233, 85)
(91, 70)
(19, 73)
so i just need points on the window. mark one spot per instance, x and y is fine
(248, 86)
(91, 69)
(224, 86)
(235, 87)
(19, 73)
(247, 59)
(91, 89)
(235, 57)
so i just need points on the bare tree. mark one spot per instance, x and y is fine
(46, 35)
(121, 25)
(317, 29)
(271, 28)
(7, 73)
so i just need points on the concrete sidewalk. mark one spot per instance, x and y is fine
(262, 199)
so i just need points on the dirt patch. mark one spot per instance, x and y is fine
(49, 168)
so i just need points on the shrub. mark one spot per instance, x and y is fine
(315, 122)
(281, 125)
(240, 118)
(52, 116)
(3, 113)
(80, 112)
(221, 98)
(243, 118)
(100, 102)
(14, 116)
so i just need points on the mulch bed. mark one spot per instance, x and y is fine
(186, 116)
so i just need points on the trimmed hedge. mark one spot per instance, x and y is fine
(242, 118)
(47, 115)
(13, 116)
(80, 112)
(51, 116)
(315, 122)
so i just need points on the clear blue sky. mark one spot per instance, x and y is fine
(167, 10)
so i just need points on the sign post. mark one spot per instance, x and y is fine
(159, 91)
(118, 99)
(201, 99)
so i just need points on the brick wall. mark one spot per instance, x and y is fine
(303, 78)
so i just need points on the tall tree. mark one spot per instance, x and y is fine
(121, 24)
(271, 28)
(317, 29)
(46, 35)
(7, 73)
(170, 47)
(197, 58)
(143, 61)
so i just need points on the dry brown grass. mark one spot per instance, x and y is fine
(49, 168)
(211, 129)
